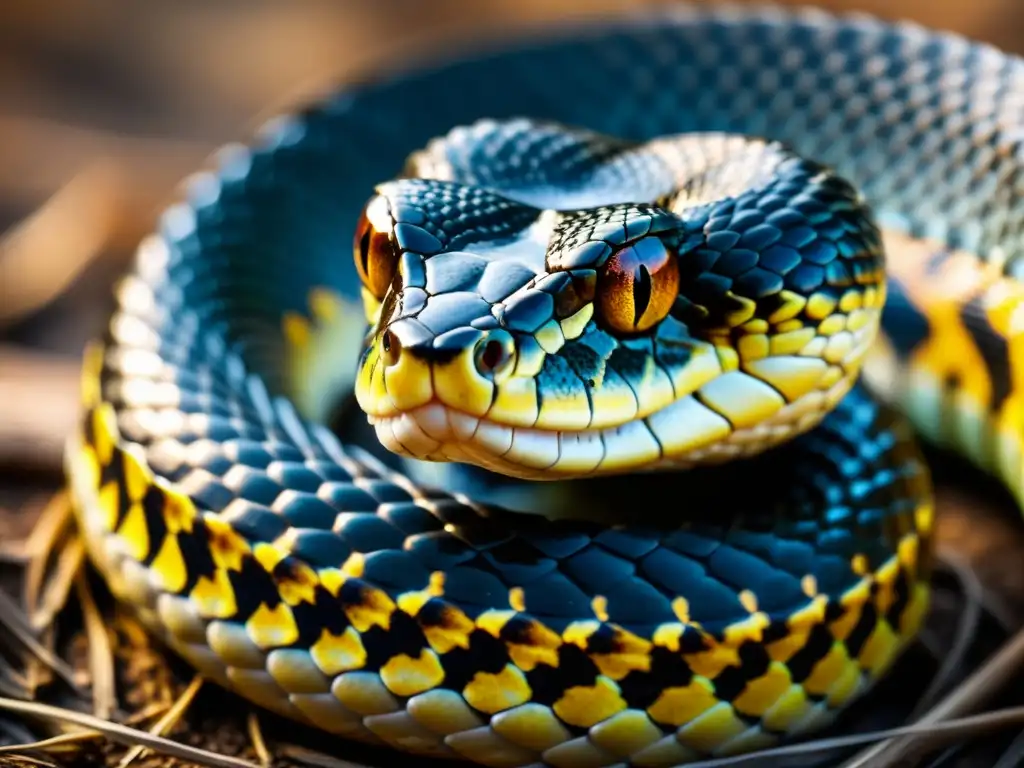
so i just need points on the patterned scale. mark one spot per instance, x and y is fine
(716, 618)
(322, 586)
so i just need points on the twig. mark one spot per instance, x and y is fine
(12, 617)
(259, 744)
(170, 718)
(58, 586)
(146, 713)
(122, 734)
(71, 228)
(41, 539)
(58, 743)
(101, 654)
(966, 629)
(314, 758)
(54, 743)
(945, 731)
(156, 163)
(981, 685)
(19, 760)
(40, 545)
(45, 536)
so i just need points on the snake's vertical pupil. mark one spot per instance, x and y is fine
(637, 286)
(642, 287)
(364, 251)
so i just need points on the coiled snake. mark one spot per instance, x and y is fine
(690, 278)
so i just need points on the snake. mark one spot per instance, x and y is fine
(706, 278)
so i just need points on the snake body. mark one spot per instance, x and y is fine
(515, 283)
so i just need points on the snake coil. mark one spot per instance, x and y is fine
(551, 302)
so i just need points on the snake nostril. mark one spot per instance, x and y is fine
(390, 347)
(492, 356)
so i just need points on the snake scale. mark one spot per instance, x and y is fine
(750, 209)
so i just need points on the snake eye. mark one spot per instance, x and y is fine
(637, 286)
(375, 253)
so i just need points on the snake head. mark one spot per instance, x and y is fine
(549, 332)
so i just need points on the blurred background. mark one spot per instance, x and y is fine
(106, 105)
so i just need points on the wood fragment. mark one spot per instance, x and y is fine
(17, 624)
(101, 654)
(314, 757)
(170, 718)
(39, 546)
(58, 586)
(259, 744)
(123, 734)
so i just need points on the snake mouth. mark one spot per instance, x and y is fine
(725, 416)
(415, 410)
(447, 411)
(438, 432)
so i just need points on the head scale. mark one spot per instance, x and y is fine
(599, 334)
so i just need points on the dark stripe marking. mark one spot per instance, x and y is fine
(992, 347)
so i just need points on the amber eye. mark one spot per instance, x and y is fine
(375, 254)
(637, 286)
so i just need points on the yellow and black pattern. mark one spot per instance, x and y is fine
(953, 355)
(717, 610)
(419, 669)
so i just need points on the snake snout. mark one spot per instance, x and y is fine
(493, 354)
(407, 366)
